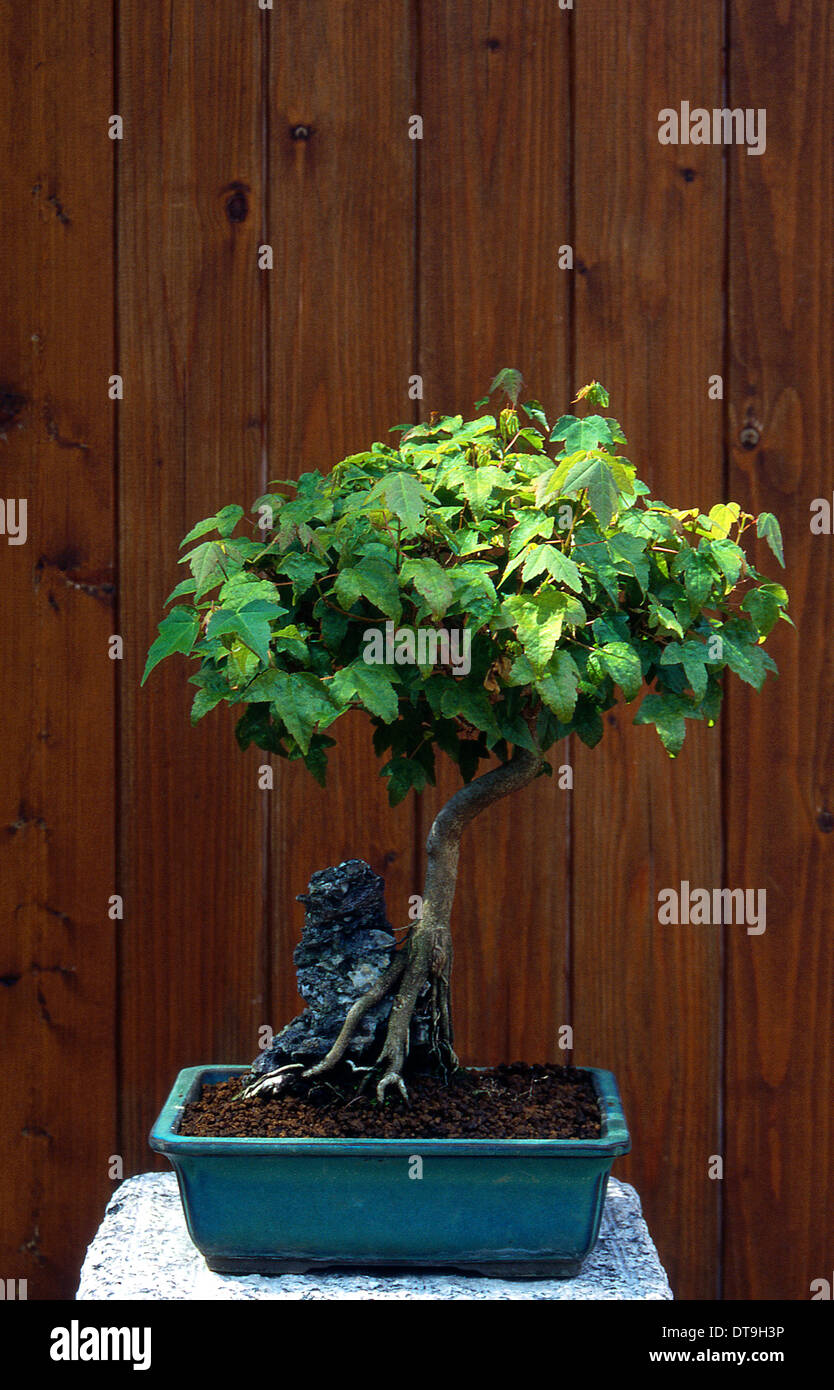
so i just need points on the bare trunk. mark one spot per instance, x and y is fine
(430, 945)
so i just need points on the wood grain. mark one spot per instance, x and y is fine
(191, 427)
(394, 257)
(341, 351)
(780, 1057)
(57, 841)
(494, 206)
(649, 323)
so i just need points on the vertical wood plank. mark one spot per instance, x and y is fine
(494, 206)
(649, 247)
(191, 425)
(57, 848)
(780, 1056)
(341, 351)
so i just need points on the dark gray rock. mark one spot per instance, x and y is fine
(346, 944)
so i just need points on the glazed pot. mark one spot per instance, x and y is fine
(515, 1208)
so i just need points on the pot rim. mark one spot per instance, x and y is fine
(613, 1140)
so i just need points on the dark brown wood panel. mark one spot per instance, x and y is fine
(395, 257)
(494, 206)
(341, 350)
(780, 789)
(649, 325)
(191, 427)
(57, 845)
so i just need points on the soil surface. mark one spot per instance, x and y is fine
(507, 1102)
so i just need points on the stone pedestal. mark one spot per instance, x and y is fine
(142, 1250)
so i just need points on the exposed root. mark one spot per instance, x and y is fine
(357, 1011)
(425, 959)
(422, 963)
(270, 1083)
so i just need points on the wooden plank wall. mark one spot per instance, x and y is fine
(58, 1081)
(649, 323)
(486, 275)
(779, 1210)
(393, 257)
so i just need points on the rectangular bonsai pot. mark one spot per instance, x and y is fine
(517, 1208)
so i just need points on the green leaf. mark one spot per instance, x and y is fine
(558, 565)
(300, 700)
(591, 433)
(333, 628)
(533, 438)
(402, 775)
(595, 394)
(747, 660)
(474, 590)
(666, 712)
(243, 663)
(539, 620)
(529, 526)
(480, 483)
(374, 579)
(628, 557)
(177, 633)
(291, 641)
(722, 516)
(508, 380)
(315, 762)
(587, 722)
(404, 495)
(623, 666)
(242, 590)
(591, 550)
(224, 522)
(185, 586)
(370, 684)
(763, 608)
(597, 476)
(431, 580)
(698, 575)
(693, 656)
(660, 616)
(558, 687)
(302, 569)
(228, 518)
(473, 705)
(768, 527)
(729, 557)
(207, 565)
(250, 625)
(535, 412)
(205, 700)
(255, 726)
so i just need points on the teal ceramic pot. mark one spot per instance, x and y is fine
(523, 1208)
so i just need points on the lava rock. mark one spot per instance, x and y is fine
(346, 944)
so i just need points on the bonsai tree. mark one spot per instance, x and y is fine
(482, 589)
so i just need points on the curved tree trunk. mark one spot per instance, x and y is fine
(426, 958)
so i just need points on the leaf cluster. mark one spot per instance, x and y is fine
(537, 544)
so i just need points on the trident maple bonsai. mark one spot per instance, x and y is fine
(537, 549)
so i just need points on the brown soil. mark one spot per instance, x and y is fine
(506, 1102)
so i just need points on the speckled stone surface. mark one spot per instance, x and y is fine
(142, 1250)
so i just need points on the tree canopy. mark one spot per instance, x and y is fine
(533, 547)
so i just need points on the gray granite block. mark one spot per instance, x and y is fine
(142, 1250)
